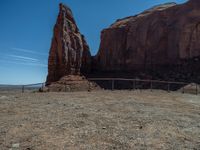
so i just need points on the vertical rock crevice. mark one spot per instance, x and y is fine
(69, 53)
(159, 37)
(159, 41)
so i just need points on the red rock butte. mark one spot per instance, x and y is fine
(69, 53)
(163, 42)
(163, 35)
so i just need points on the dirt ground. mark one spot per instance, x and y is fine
(101, 120)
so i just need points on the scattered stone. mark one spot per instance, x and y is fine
(72, 83)
(3, 97)
(191, 88)
(16, 145)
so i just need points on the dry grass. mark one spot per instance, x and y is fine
(99, 120)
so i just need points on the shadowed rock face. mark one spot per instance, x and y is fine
(160, 43)
(69, 53)
(164, 35)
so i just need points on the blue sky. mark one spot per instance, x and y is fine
(26, 29)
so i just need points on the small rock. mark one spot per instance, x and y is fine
(3, 97)
(16, 145)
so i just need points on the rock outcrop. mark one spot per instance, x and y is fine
(71, 83)
(69, 53)
(166, 35)
(160, 43)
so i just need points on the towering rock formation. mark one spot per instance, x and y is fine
(160, 43)
(69, 53)
(166, 35)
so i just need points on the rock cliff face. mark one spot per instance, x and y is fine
(165, 35)
(160, 43)
(69, 53)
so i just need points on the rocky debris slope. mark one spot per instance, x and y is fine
(69, 53)
(166, 35)
(71, 83)
(191, 88)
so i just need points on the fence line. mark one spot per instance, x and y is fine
(151, 82)
(24, 87)
(140, 80)
(135, 84)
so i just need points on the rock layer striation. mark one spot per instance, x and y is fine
(166, 35)
(69, 52)
(164, 39)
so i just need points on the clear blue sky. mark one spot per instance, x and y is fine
(26, 29)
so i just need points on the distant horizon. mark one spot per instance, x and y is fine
(27, 29)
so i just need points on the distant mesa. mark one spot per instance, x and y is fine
(161, 43)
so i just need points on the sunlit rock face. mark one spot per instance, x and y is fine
(164, 35)
(69, 53)
(161, 43)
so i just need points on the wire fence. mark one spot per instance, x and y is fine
(134, 84)
(22, 88)
(116, 84)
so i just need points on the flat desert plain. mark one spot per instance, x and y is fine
(100, 120)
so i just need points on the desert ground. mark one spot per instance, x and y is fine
(99, 120)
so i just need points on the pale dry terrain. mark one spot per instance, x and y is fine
(140, 120)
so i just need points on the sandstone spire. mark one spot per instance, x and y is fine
(69, 52)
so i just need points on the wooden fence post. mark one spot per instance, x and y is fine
(196, 89)
(89, 86)
(22, 88)
(113, 84)
(151, 86)
(133, 84)
(183, 90)
(168, 87)
(42, 86)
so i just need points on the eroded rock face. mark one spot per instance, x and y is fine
(161, 43)
(69, 53)
(71, 83)
(164, 35)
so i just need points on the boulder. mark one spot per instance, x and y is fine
(191, 88)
